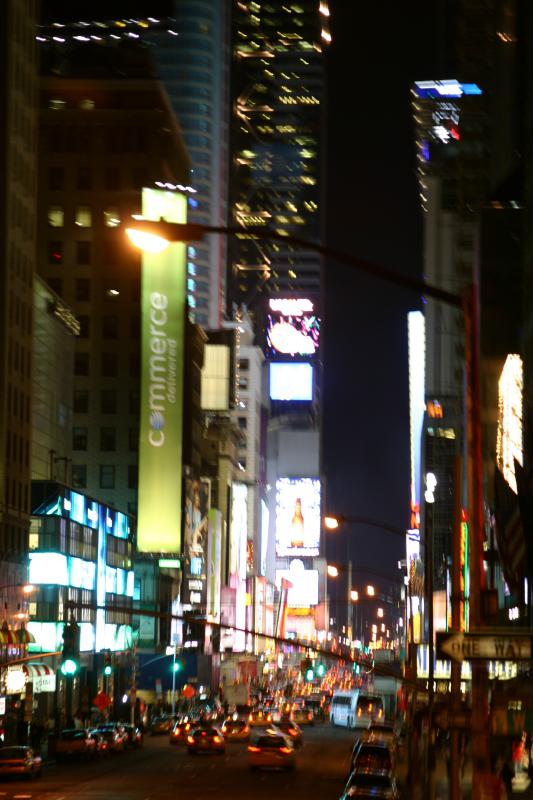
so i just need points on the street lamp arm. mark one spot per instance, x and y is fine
(191, 232)
(374, 523)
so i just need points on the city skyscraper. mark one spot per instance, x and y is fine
(192, 57)
(18, 153)
(276, 164)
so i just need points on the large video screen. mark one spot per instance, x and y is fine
(292, 381)
(297, 517)
(293, 329)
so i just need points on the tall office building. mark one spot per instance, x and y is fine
(276, 172)
(106, 131)
(18, 152)
(193, 57)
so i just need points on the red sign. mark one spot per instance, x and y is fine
(102, 700)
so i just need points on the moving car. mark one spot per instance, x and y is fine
(235, 730)
(380, 732)
(292, 730)
(75, 742)
(355, 709)
(259, 717)
(161, 725)
(180, 731)
(20, 761)
(368, 782)
(275, 751)
(303, 716)
(206, 740)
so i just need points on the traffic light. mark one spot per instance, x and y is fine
(306, 666)
(108, 664)
(176, 666)
(309, 674)
(321, 670)
(70, 656)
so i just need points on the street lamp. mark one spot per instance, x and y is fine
(331, 523)
(333, 572)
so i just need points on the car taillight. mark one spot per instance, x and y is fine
(309, 715)
(285, 750)
(380, 712)
(246, 729)
(252, 749)
(250, 718)
(269, 717)
(370, 706)
(190, 739)
(359, 712)
(217, 739)
(293, 731)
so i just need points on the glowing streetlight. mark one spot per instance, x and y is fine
(370, 591)
(333, 572)
(331, 523)
(146, 241)
(354, 595)
(380, 613)
(28, 588)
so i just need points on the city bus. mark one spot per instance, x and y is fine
(354, 708)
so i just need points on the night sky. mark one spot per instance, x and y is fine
(372, 212)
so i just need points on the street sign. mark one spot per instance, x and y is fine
(484, 646)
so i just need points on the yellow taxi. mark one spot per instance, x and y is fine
(180, 731)
(272, 751)
(259, 717)
(235, 730)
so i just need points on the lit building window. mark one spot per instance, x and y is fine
(191, 285)
(56, 216)
(56, 103)
(87, 104)
(84, 217)
(111, 217)
(191, 301)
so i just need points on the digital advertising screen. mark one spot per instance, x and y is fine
(303, 591)
(297, 517)
(195, 542)
(291, 381)
(292, 329)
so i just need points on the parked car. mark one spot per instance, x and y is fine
(75, 742)
(20, 761)
(134, 735)
(377, 781)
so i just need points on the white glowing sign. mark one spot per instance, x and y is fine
(291, 306)
(417, 356)
(509, 443)
(303, 592)
(293, 329)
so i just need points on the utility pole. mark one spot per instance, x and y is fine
(350, 608)
(457, 600)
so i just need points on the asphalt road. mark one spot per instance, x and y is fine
(159, 771)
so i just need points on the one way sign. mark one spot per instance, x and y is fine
(484, 646)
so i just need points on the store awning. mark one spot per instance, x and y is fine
(36, 670)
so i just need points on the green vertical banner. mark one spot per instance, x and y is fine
(163, 309)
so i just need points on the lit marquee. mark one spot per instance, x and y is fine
(509, 443)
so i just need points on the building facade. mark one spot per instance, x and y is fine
(102, 139)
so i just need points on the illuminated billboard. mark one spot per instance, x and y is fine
(163, 309)
(416, 337)
(237, 558)
(297, 517)
(293, 329)
(291, 381)
(195, 543)
(303, 591)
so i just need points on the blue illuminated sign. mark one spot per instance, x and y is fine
(438, 90)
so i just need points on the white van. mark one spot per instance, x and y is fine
(355, 708)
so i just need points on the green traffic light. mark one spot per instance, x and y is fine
(321, 670)
(309, 675)
(69, 667)
(177, 667)
(108, 669)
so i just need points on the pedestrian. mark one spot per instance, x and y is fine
(517, 755)
(506, 774)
